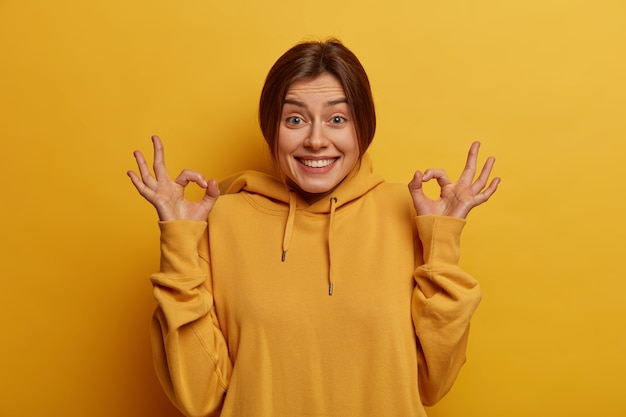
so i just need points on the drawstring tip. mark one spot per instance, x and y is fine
(330, 288)
(282, 258)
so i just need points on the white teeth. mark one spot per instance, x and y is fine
(317, 163)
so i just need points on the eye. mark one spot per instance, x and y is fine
(337, 120)
(294, 120)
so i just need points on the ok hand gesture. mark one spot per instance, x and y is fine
(167, 195)
(456, 198)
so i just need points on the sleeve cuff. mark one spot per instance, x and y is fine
(179, 244)
(441, 238)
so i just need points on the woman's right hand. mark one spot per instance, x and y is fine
(167, 195)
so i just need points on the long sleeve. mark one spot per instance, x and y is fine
(189, 349)
(443, 302)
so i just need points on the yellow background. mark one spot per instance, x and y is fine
(540, 82)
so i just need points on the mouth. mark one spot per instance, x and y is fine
(317, 163)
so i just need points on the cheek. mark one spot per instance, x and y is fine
(287, 142)
(284, 149)
(351, 145)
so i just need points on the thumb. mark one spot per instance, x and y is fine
(415, 186)
(212, 191)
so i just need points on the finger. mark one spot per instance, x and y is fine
(416, 182)
(212, 192)
(469, 171)
(482, 179)
(416, 190)
(144, 190)
(160, 170)
(488, 192)
(187, 176)
(438, 174)
(144, 171)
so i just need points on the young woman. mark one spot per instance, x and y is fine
(323, 290)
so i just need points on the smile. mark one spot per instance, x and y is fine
(317, 163)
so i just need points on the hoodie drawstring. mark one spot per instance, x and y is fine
(289, 225)
(289, 232)
(333, 206)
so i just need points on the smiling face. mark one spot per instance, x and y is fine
(317, 141)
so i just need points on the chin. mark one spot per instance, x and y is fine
(310, 191)
(318, 189)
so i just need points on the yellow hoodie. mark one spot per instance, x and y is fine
(351, 306)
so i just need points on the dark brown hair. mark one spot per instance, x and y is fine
(310, 60)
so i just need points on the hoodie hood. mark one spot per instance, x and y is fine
(356, 184)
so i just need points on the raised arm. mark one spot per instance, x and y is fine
(445, 297)
(189, 349)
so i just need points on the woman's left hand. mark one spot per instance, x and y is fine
(456, 198)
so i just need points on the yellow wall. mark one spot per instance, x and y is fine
(540, 82)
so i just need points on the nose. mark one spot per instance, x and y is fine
(316, 139)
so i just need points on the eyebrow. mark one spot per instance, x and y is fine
(328, 103)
